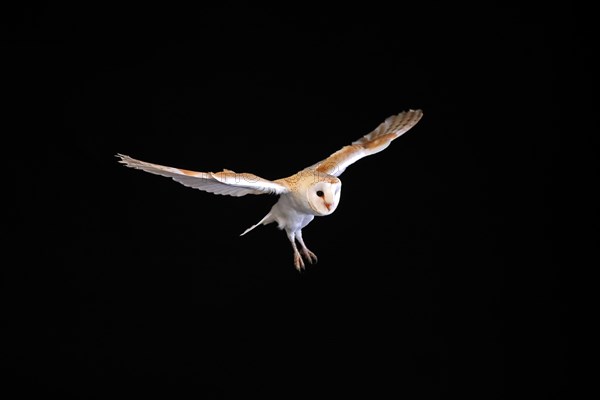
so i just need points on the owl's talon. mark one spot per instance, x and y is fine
(310, 256)
(298, 263)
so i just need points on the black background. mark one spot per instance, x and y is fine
(122, 283)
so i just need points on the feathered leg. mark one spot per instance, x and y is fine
(308, 255)
(298, 263)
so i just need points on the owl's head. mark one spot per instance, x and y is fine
(324, 195)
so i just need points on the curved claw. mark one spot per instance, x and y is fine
(298, 263)
(310, 256)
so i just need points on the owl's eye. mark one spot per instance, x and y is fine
(320, 193)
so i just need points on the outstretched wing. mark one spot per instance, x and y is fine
(372, 143)
(225, 182)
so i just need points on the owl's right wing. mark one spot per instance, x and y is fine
(225, 182)
(372, 143)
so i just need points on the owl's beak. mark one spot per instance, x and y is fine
(328, 206)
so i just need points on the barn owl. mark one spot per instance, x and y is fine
(313, 191)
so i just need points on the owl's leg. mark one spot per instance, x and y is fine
(309, 255)
(298, 263)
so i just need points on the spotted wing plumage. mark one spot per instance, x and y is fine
(226, 182)
(372, 143)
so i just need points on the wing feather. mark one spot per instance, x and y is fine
(226, 182)
(372, 143)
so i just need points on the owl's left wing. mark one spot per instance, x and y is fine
(225, 182)
(374, 142)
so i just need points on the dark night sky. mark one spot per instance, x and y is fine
(125, 283)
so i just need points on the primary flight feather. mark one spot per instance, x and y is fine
(313, 191)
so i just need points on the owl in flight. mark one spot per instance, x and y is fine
(314, 191)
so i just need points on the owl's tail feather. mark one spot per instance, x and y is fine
(266, 220)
